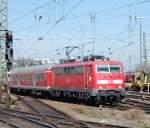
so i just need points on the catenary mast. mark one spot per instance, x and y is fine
(3, 30)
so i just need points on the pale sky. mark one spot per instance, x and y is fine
(60, 23)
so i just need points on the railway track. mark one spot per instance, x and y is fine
(137, 100)
(15, 120)
(133, 100)
(50, 115)
(139, 96)
(143, 95)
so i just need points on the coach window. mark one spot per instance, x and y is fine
(30, 77)
(17, 76)
(56, 71)
(69, 70)
(40, 76)
(21, 77)
(65, 70)
(102, 68)
(43, 76)
(60, 71)
(37, 78)
(34, 76)
(72, 70)
(25, 77)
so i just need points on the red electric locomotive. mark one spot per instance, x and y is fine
(99, 81)
(95, 81)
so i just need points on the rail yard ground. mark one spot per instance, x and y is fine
(129, 117)
(117, 115)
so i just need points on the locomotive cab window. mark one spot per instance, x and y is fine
(114, 68)
(102, 68)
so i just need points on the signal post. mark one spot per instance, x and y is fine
(6, 50)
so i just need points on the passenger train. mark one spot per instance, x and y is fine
(95, 81)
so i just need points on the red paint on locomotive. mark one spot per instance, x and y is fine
(103, 78)
(108, 76)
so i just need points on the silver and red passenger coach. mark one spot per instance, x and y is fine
(93, 81)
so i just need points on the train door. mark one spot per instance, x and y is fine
(53, 77)
(88, 76)
(48, 76)
(34, 79)
(18, 79)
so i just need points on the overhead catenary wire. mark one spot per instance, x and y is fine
(63, 18)
(30, 12)
(85, 14)
(58, 21)
(110, 10)
(119, 33)
(33, 26)
(102, 39)
(104, 11)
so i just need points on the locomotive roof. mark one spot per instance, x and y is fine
(88, 62)
(32, 68)
(49, 66)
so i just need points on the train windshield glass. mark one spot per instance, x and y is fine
(107, 68)
(102, 68)
(114, 68)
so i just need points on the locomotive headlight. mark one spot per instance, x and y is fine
(100, 86)
(102, 81)
(120, 87)
(117, 81)
(90, 78)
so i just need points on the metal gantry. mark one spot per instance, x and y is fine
(3, 29)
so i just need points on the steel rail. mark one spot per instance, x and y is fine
(80, 124)
(25, 118)
(9, 124)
